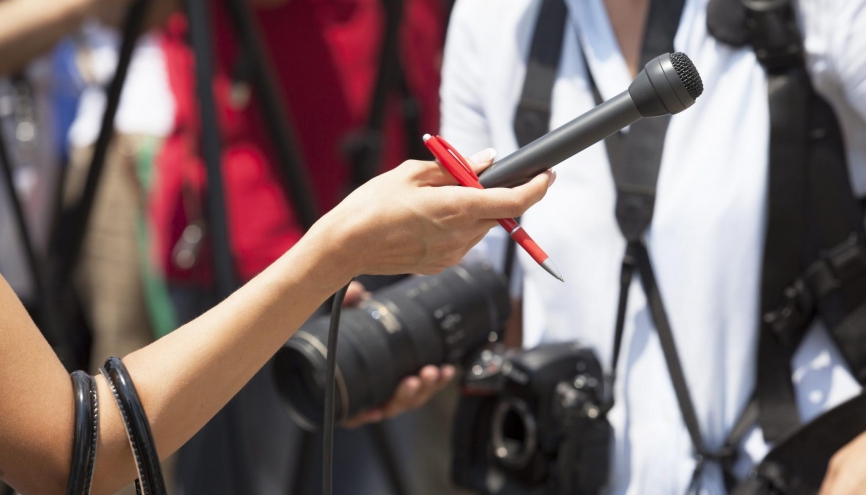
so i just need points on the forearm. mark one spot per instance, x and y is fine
(183, 379)
(402, 221)
(188, 376)
(31, 27)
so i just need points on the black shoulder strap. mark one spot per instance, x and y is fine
(532, 117)
(814, 255)
(783, 248)
(635, 162)
(798, 463)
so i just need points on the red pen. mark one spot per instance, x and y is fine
(462, 171)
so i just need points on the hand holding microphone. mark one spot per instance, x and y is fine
(668, 84)
(462, 172)
(402, 221)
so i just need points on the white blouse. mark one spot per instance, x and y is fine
(706, 240)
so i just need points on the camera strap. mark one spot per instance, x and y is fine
(635, 159)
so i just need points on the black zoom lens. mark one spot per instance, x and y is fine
(404, 327)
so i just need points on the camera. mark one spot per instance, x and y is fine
(419, 321)
(533, 422)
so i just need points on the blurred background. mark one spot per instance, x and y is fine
(111, 229)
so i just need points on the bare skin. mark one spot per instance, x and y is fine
(402, 221)
(628, 18)
(37, 25)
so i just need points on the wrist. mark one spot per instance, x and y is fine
(82, 10)
(320, 258)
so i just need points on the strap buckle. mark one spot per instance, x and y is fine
(836, 266)
(774, 33)
(789, 321)
(725, 454)
(827, 274)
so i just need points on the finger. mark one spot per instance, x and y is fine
(426, 173)
(429, 376)
(501, 202)
(481, 160)
(828, 486)
(366, 417)
(448, 373)
(402, 399)
(355, 294)
(441, 177)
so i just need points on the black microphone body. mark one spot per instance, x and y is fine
(668, 84)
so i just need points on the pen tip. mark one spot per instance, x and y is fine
(426, 137)
(551, 269)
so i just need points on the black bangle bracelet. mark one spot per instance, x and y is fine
(85, 434)
(150, 480)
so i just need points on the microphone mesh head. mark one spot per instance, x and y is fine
(688, 74)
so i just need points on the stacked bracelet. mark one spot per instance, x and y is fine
(150, 480)
(85, 435)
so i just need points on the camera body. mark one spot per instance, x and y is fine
(533, 423)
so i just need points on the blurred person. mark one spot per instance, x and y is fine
(402, 221)
(40, 86)
(114, 277)
(325, 58)
(705, 242)
(124, 297)
(51, 112)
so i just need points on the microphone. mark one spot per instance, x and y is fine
(668, 84)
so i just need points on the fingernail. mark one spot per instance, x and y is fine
(483, 156)
(552, 178)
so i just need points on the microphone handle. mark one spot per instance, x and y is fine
(561, 143)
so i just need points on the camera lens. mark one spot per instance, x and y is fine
(513, 433)
(416, 322)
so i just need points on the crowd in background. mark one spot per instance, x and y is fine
(145, 264)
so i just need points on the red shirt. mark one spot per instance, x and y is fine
(325, 57)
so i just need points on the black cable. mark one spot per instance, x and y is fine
(330, 392)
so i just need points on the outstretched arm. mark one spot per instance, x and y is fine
(31, 27)
(400, 222)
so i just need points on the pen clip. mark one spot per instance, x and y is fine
(457, 156)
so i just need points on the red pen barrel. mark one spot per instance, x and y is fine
(530, 246)
(509, 224)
